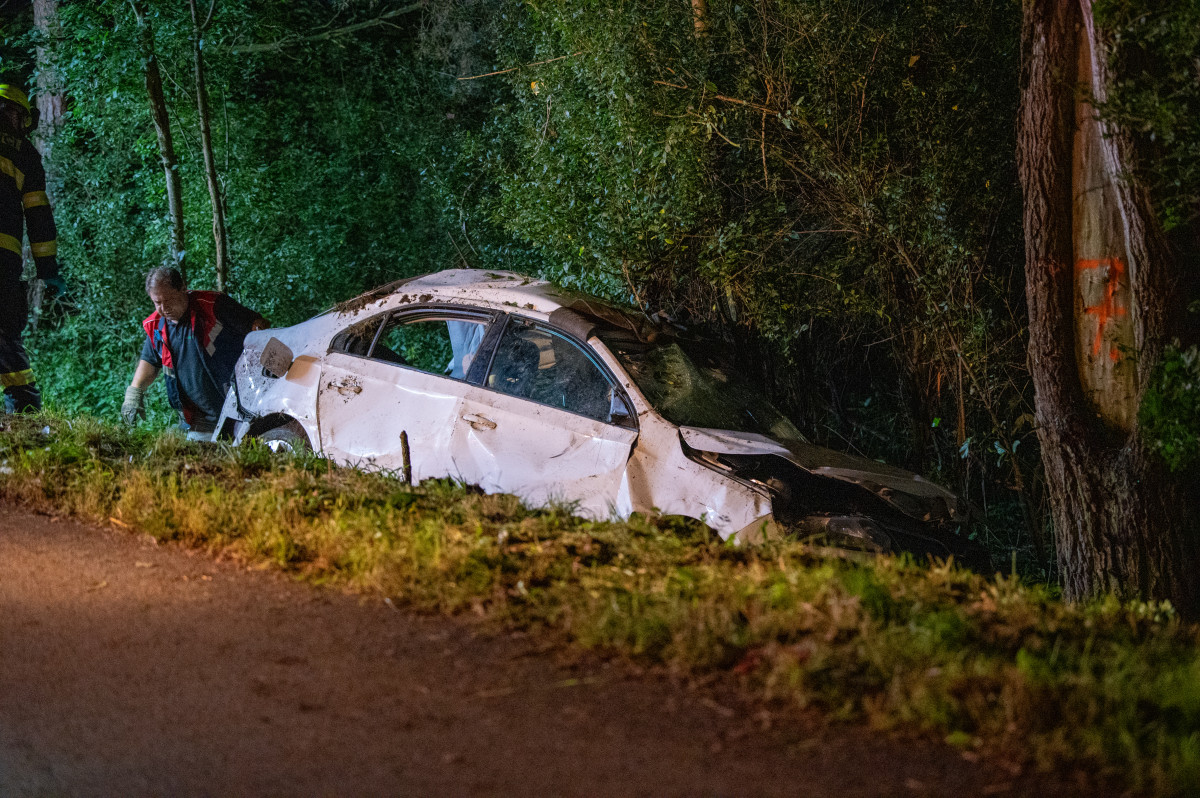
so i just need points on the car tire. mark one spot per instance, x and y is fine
(290, 438)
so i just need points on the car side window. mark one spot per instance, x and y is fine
(436, 344)
(356, 339)
(545, 367)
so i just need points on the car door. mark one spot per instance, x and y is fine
(548, 424)
(394, 377)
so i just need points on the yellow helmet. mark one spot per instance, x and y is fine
(14, 95)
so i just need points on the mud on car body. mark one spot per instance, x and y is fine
(516, 386)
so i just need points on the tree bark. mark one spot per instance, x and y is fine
(1123, 523)
(210, 164)
(51, 100)
(700, 16)
(162, 126)
(51, 104)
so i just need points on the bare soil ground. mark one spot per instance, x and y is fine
(129, 668)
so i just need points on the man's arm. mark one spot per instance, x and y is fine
(237, 316)
(144, 375)
(132, 409)
(39, 219)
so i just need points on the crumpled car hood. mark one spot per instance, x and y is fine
(871, 475)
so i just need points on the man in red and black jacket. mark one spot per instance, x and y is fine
(24, 206)
(194, 338)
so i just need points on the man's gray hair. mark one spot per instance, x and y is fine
(164, 275)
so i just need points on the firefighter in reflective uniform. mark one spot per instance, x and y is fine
(24, 207)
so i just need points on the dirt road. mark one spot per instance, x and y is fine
(134, 669)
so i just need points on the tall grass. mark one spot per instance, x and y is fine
(995, 663)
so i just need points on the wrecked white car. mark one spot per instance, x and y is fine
(516, 386)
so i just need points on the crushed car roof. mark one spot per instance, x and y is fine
(507, 291)
(475, 286)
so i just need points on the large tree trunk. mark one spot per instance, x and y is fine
(210, 163)
(1098, 282)
(162, 126)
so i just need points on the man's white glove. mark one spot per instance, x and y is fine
(132, 411)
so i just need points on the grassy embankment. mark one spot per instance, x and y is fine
(984, 663)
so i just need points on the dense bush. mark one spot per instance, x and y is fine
(1155, 51)
(1170, 410)
(827, 185)
(319, 203)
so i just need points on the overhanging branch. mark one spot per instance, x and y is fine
(292, 41)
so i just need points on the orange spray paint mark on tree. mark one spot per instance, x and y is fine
(1107, 310)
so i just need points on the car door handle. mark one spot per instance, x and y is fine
(479, 422)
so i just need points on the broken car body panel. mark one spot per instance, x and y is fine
(362, 411)
(879, 478)
(517, 386)
(541, 454)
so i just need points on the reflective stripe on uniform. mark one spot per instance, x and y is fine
(12, 379)
(211, 348)
(9, 168)
(35, 198)
(44, 249)
(10, 243)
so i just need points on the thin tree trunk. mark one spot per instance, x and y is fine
(51, 101)
(162, 126)
(51, 105)
(210, 165)
(1122, 522)
(700, 16)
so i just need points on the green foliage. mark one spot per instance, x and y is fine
(319, 204)
(1154, 54)
(826, 185)
(1170, 411)
(985, 663)
(423, 346)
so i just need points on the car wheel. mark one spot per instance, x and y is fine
(289, 438)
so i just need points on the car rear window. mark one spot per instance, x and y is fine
(430, 341)
(434, 345)
(356, 339)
